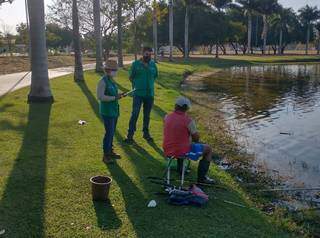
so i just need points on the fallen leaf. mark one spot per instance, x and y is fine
(2, 232)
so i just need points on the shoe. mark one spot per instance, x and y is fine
(129, 141)
(207, 180)
(115, 155)
(107, 159)
(148, 138)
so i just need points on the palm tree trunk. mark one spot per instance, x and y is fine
(40, 87)
(119, 17)
(78, 68)
(217, 50)
(97, 31)
(135, 34)
(171, 29)
(249, 32)
(264, 34)
(280, 42)
(186, 33)
(155, 30)
(308, 39)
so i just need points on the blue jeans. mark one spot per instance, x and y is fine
(110, 124)
(147, 103)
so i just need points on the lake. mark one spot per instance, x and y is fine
(273, 111)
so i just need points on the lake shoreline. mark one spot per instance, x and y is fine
(238, 163)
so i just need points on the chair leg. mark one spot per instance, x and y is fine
(183, 172)
(169, 170)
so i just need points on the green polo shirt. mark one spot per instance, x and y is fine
(143, 78)
(110, 109)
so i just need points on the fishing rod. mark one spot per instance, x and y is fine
(187, 181)
(290, 189)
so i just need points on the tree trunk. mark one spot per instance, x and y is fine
(40, 88)
(78, 68)
(155, 30)
(119, 40)
(171, 29)
(280, 41)
(135, 34)
(97, 32)
(217, 50)
(186, 33)
(264, 34)
(308, 39)
(249, 32)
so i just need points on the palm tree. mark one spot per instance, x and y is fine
(250, 7)
(186, 30)
(219, 5)
(281, 22)
(97, 32)
(119, 40)
(155, 29)
(266, 8)
(171, 28)
(40, 88)
(308, 16)
(78, 68)
(317, 26)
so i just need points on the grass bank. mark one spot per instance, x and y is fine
(47, 159)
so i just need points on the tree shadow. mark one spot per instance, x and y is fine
(91, 98)
(23, 200)
(106, 216)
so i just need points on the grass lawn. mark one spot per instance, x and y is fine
(47, 159)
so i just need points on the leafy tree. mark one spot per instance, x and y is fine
(23, 34)
(308, 16)
(58, 37)
(284, 29)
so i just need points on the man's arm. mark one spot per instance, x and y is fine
(194, 132)
(132, 72)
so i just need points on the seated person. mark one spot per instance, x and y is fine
(181, 137)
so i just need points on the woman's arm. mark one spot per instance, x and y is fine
(100, 93)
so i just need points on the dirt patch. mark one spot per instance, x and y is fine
(16, 64)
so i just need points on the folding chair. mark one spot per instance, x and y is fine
(184, 162)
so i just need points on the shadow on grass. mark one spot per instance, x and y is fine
(22, 204)
(106, 216)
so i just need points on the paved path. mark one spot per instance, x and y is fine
(13, 82)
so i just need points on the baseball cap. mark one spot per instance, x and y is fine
(181, 101)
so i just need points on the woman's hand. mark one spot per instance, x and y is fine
(119, 96)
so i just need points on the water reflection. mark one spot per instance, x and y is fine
(274, 111)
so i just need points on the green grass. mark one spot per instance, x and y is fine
(47, 159)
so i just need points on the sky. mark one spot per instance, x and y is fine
(13, 14)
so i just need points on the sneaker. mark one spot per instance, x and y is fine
(129, 141)
(107, 159)
(207, 180)
(148, 138)
(115, 155)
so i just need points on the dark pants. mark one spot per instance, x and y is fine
(147, 103)
(110, 124)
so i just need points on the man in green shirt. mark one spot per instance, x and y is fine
(143, 74)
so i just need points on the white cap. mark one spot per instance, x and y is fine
(181, 101)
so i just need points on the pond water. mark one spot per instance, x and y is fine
(274, 112)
